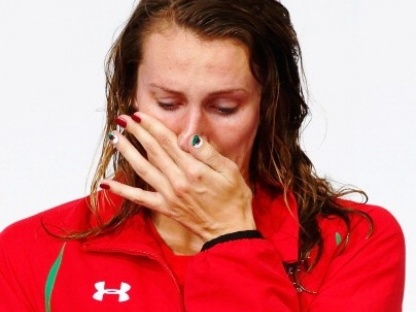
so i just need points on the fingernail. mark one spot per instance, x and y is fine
(136, 118)
(196, 141)
(112, 137)
(121, 122)
(105, 186)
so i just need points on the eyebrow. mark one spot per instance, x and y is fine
(215, 93)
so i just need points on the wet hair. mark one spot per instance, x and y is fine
(277, 162)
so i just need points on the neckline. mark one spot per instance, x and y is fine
(177, 263)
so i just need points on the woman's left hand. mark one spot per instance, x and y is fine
(201, 189)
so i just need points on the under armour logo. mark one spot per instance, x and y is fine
(122, 292)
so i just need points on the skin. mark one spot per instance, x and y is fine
(190, 86)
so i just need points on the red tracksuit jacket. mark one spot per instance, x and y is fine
(125, 270)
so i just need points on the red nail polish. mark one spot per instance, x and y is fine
(105, 186)
(136, 118)
(121, 122)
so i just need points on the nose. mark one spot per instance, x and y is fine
(192, 123)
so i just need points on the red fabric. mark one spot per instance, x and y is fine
(98, 274)
(177, 263)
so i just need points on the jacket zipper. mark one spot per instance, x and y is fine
(153, 257)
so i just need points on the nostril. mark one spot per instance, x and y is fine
(192, 123)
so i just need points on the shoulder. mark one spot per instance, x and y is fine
(381, 220)
(70, 215)
(27, 250)
(372, 230)
(361, 259)
(386, 232)
(75, 215)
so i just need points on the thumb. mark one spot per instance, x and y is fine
(206, 153)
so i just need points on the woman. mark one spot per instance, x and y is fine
(213, 205)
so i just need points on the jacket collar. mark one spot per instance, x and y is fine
(133, 236)
(277, 219)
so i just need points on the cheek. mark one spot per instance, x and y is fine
(237, 143)
(243, 144)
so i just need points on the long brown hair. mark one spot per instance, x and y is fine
(277, 160)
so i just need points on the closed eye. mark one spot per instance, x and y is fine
(169, 106)
(226, 110)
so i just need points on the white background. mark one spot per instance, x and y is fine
(359, 59)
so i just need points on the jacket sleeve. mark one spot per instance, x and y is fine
(12, 296)
(242, 275)
(369, 274)
(248, 275)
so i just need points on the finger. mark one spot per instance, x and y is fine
(140, 165)
(166, 138)
(200, 150)
(156, 153)
(148, 199)
(206, 153)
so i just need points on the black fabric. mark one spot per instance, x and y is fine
(249, 234)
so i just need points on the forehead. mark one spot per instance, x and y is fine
(177, 52)
(180, 42)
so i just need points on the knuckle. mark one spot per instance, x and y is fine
(134, 195)
(180, 187)
(149, 146)
(166, 140)
(170, 198)
(233, 168)
(194, 173)
(137, 199)
(150, 127)
(140, 171)
(173, 214)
